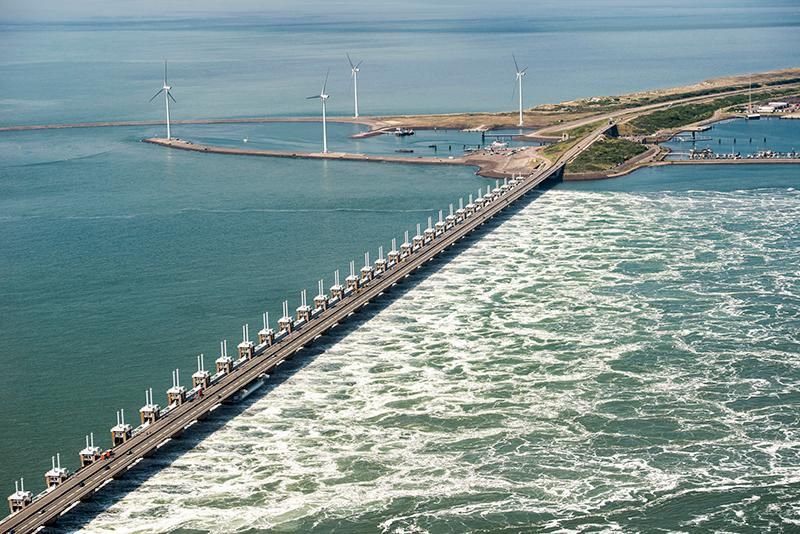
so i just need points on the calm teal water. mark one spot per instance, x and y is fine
(307, 137)
(597, 360)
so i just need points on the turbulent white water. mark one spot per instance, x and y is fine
(598, 361)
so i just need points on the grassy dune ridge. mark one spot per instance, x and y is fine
(605, 154)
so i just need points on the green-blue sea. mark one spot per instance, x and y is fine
(616, 356)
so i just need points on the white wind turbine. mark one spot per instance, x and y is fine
(354, 71)
(167, 95)
(324, 97)
(520, 74)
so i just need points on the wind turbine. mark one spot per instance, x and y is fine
(167, 95)
(354, 70)
(324, 97)
(520, 74)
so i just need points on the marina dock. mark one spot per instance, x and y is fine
(728, 161)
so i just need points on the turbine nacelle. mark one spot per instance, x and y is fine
(354, 68)
(520, 72)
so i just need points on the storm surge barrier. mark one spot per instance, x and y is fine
(234, 378)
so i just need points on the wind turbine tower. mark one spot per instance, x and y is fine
(324, 97)
(167, 95)
(520, 74)
(354, 72)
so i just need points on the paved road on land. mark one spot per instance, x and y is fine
(639, 110)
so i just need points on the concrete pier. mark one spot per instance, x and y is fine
(304, 310)
(20, 499)
(285, 323)
(57, 474)
(380, 263)
(418, 240)
(246, 347)
(367, 271)
(121, 432)
(352, 282)
(89, 454)
(429, 234)
(337, 289)
(150, 412)
(394, 254)
(405, 247)
(176, 395)
(266, 336)
(321, 300)
(224, 363)
(201, 378)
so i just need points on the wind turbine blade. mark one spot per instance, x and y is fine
(359, 63)
(516, 66)
(523, 70)
(165, 72)
(311, 97)
(324, 85)
(514, 92)
(350, 61)
(155, 95)
(172, 97)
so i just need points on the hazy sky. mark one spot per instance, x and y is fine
(25, 10)
(62, 10)
(52, 10)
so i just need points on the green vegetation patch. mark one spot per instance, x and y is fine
(682, 115)
(556, 149)
(677, 116)
(605, 154)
